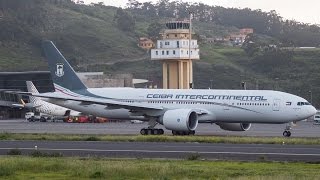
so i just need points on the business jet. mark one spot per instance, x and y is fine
(44, 107)
(178, 110)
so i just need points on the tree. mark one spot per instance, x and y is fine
(251, 45)
(124, 20)
(154, 29)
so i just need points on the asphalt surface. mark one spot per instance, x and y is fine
(303, 129)
(246, 152)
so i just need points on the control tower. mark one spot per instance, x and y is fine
(176, 50)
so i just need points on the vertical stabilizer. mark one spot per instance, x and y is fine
(33, 89)
(61, 72)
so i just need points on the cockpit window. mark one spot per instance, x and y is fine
(303, 103)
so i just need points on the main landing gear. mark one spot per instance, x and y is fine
(151, 130)
(183, 133)
(287, 132)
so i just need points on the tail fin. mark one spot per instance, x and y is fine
(33, 89)
(61, 71)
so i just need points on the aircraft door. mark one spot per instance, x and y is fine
(276, 105)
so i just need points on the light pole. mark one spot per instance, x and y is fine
(310, 96)
(244, 85)
(257, 84)
(190, 67)
(276, 85)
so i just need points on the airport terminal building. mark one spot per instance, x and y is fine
(17, 80)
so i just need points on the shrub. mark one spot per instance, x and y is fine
(193, 157)
(92, 138)
(44, 154)
(14, 152)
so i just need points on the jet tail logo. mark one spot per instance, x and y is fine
(59, 70)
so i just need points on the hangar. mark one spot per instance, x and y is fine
(17, 80)
(43, 81)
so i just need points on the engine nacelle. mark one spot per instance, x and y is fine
(235, 126)
(180, 120)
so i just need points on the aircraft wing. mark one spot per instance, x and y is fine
(1, 90)
(27, 105)
(17, 105)
(111, 104)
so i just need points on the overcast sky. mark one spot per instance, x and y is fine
(307, 11)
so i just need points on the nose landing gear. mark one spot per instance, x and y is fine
(287, 132)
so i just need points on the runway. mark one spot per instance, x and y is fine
(303, 129)
(246, 152)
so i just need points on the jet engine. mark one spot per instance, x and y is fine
(180, 120)
(235, 126)
(67, 113)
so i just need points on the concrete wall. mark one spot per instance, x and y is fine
(99, 81)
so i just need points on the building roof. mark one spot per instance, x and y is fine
(25, 72)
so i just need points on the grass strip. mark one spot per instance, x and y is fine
(24, 167)
(162, 138)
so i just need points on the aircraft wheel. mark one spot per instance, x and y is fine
(155, 132)
(286, 134)
(183, 133)
(289, 134)
(143, 132)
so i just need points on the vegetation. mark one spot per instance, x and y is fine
(104, 38)
(161, 138)
(97, 168)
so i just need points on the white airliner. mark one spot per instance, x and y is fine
(44, 107)
(179, 110)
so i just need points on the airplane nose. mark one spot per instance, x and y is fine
(313, 110)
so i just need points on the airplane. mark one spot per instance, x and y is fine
(44, 107)
(178, 110)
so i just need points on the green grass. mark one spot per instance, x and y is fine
(164, 138)
(94, 168)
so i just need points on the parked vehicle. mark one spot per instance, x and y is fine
(136, 121)
(85, 119)
(316, 119)
(32, 117)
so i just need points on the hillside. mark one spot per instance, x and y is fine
(81, 36)
(92, 40)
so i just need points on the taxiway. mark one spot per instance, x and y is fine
(302, 129)
(246, 152)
